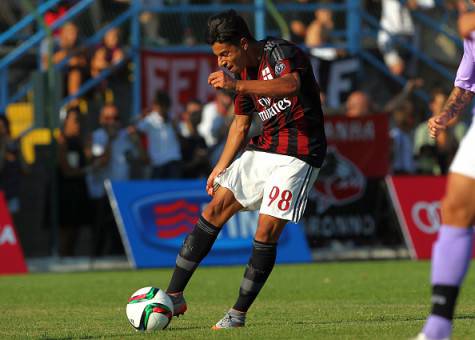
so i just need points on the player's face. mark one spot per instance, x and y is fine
(229, 56)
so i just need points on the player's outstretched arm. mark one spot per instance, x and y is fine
(466, 24)
(285, 86)
(458, 100)
(236, 139)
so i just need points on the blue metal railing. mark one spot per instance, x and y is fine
(26, 21)
(36, 38)
(92, 82)
(31, 42)
(435, 26)
(356, 17)
(419, 54)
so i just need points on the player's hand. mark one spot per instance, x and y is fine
(210, 183)
(222, 80)
(437, 124)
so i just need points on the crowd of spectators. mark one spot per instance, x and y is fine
(160, 144)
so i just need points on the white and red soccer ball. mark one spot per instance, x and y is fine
(149, 309)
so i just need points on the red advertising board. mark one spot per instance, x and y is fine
(363, 140)
(416, 200)
(11, 254)
(184, 76)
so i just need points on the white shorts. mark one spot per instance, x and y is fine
(276, 185)
(464, 160)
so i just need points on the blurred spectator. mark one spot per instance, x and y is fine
(12, 166)
(163, 146)
(401, 138)
(184, 127)
(151, 23)
(213, 120)
(189, 38)
(298, 22)
(74, 204)
(193, 147)
(358, 104)
(58, 11)
(110, 149)
(108, 53)
(435, 155)
(318, 35)
(68, 46)
(298, 31)
(318, 32)
(397, 28)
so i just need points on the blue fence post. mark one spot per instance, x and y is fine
(260, 19)
(353, 25)
(135, 36)
(3, 89)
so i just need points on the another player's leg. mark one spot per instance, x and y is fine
(451, 255)
(198, 244)
(260, 266)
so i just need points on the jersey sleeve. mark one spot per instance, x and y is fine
(243, 105)
(286, 59)
(465, 78)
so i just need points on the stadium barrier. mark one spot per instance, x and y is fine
(418, 211)
(11, 254)
(348, 210)
(154, 217)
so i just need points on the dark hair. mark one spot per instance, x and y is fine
(162, 99)
(227, 27)
(6, 122)
(195, 101)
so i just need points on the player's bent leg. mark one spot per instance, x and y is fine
(222, 207)
(198, 244)
(451, 254)
(261, 263)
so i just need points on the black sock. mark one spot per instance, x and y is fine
(443, 300)
(258, 270)
(195, 247)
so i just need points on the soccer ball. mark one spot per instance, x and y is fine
(149, 309)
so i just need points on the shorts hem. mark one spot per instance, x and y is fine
(246, 206)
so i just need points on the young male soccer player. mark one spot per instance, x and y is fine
(273, 78)
(452, 252)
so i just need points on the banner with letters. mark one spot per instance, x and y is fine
(184, 76)
(11, 254)
(155, 216)
(416, 200)
(348, 206)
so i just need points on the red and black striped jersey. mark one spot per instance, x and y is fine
(292, 125)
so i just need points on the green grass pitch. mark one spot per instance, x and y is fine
(350, 300)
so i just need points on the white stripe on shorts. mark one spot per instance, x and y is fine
(301, 196)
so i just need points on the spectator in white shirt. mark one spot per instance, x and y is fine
(213, 120)
(396, 27)
(109, 150)
(163, 145)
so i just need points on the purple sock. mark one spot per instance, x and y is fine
(450, 260)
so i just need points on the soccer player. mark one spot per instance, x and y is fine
(274, 79)
(452, 252)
